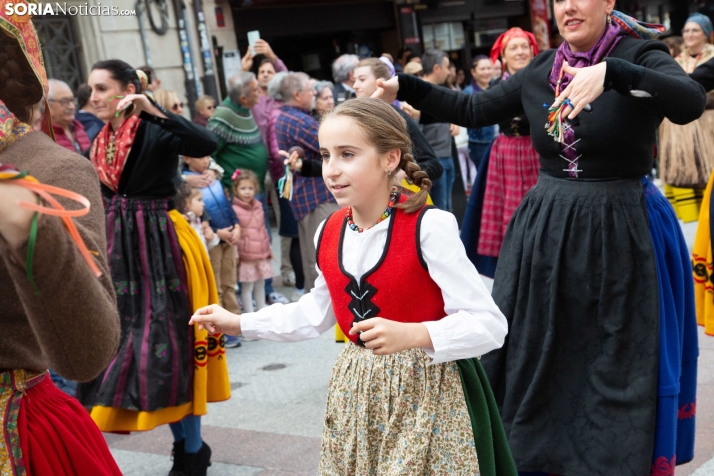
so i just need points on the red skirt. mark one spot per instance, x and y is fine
(512, 171)
(47, 432)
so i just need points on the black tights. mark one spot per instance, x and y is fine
(296, 261)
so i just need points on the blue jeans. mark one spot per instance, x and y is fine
(441, 188)
(476, 151)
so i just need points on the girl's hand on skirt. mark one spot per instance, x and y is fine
(216, 320)
(385, 337)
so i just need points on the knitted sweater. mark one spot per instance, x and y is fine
(240, 144)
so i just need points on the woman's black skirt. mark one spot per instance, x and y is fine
(576, 380)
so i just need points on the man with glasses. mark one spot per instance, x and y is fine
(69, 132)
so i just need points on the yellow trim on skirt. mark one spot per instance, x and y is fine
(702, 263)
(210, 378)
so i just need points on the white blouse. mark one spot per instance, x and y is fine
(473, 324)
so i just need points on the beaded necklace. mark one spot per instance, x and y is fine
(387, 213)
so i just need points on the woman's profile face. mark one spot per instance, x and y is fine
(104, 92)
(693, 34)
(517, 54)
(365, 82)
(582, 22)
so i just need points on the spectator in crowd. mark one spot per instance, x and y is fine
(205, 105)
(224, 223)
(311, 201)
(69, 132)
(461, 79)
(324, 98)
(343, 73)
(267, 69)
(675, 44)
(86, 113)
(451, 78)
(169, 100)
(415, 59)
(497, 69)
(240, 144)
(436, 69)
(154, 81)
(291, 263)
(479, 139)
(414, 68)
(403, 56)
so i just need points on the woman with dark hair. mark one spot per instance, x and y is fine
(51, 301)
(151, 380)
(598, 373)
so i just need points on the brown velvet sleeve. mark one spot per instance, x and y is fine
(74, 317)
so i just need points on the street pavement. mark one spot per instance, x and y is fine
(272, 424)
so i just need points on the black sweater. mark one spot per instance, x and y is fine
(616, 138)
(151, 168)
(704, 75)
(421, 150)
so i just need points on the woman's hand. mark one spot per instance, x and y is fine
(292, 160)
(413, 113)
(389, 337)
(15, 220)
(216, 320)
(586, 86)
(387, 90)
(141, 103)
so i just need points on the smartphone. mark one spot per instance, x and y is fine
(253, 36)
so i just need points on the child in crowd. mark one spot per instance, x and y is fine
(224, 223)
(189, 202)
(205, 106)
(407, 395)
(254, 251)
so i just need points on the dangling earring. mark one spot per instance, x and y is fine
(609, 19)
(389, 174)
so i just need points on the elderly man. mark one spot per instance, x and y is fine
(343, 72)
(312, 202)
(240, 145)
(69, 132)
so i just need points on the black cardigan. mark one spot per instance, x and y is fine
(421, 150)
(151, 170)
(704, 75)
(616, 138)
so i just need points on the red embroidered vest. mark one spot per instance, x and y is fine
(398, 287)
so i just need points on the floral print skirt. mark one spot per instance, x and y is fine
(396, 415)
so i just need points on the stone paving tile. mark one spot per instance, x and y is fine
(233, 446)
(133, 463)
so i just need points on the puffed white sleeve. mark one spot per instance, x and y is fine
(306, 319)
(473, 324)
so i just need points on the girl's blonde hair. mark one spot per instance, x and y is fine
(241, 175)
(203, 102)
(386, 130)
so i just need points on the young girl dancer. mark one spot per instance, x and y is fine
(395, 277)
(254, 246)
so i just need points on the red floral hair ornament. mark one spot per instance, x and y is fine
(500, 45)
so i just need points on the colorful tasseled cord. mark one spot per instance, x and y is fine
(48, 205)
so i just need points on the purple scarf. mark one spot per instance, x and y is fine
(604, 46)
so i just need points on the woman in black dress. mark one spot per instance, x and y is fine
(577, 379)
(150, 381)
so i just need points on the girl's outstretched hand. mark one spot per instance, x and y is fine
(385, 337)
(216, 320)
(387, 90)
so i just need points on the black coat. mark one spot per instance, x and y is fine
(151, 169)
(616, 138)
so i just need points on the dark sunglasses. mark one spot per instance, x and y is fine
(176, 106)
